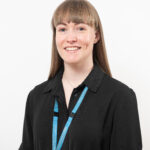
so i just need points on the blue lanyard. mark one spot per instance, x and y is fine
(70, 118)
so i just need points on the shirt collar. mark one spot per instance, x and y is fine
(93, 80)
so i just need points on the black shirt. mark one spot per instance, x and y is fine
(107, 118)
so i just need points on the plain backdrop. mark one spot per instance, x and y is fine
(25, 54)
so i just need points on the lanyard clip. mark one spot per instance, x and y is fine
(56, 114)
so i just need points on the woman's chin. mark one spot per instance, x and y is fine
(71, 61)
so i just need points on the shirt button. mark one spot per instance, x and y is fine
(75, 94)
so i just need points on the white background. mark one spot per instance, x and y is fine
(25, 53)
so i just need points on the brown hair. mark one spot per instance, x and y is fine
(78, 11)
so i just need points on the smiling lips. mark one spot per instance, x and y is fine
(72, 48)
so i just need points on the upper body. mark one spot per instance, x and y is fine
(107, 118)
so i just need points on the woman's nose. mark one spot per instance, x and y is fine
(72, 36)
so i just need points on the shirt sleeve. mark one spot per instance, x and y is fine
(27, 137)
(126, 132)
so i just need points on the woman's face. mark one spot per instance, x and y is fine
(75, 42)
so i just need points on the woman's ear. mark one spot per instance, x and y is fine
(97, 37)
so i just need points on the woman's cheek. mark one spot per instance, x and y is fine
(59, 41)
(84, 40)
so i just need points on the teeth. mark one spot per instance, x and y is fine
(72, 48)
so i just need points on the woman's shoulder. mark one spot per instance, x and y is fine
(41, 87)
(109, 83)
(113, 86)
(34, 95)
(109, 86)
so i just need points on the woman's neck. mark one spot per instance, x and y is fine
(75, 74)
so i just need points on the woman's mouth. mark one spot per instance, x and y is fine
(72, 49)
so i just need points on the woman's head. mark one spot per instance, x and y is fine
(74, 42)
(76, 23)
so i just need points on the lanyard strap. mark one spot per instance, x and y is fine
(70, 118)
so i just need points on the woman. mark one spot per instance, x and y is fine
(81, 106)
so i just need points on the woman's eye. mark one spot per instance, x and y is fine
(62, 29)
(81, 28)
